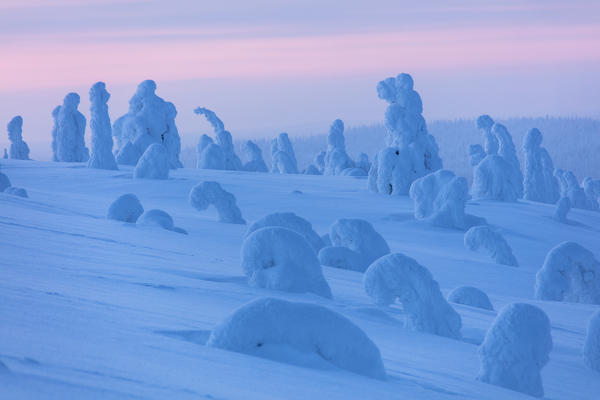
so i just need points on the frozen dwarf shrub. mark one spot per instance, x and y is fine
(591, 188)
(160, 219)
(70, 130)
(396, 276)
(291, 221)
(15, 191)
(311, 170)
(570, 273)
(223, 139)
(539, 182)
(516, 348)
(341, 257)
(18, 148)
(493, 242)
(336, 158)
(281, 259)
(508, 152)
(4, 182)
(283, 157)
(476, 154)
(153, 164)
(410, 152)
(494, 179)
(363, 162)
(563, 206)
(484, 124)
(211, 193)
(126, 208)
(591, 346)
(254, 156)
(470, 296)
(569, 187)
(102, 143)
(298, 333)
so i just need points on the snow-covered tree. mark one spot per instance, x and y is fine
(336, 158)
(126, 208)
(476, 154)
(153, 164)
(470, 296)
(539, 182)
(591, 346)
(211, 193)
(283, 157)
(484, 124)
(569, 187)
(363, 162)
(591, 188)
(493, 242)
(70, 131)
(224, 141)
(18, 148)
(102, 142)
(254, 156)
(159, 219)
(563, 206)
(54, 144)
(291, 221)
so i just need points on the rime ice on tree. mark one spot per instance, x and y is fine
(153, 164)
(336, 159)
(18, 148)
(206, 193)
(283, 158)
(102, 142)
(69, 131)
(539, 183)
(222, 156)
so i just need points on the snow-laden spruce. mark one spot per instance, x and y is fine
(396, 276)
(102, 142)
(16, 191)
(253, 154)
(160, 219)
(293, 222)
(539, 183)
(563, 206)
(336, 159)
(410, 152)
(18, 147)
(569, 187)
(591, 188)
(281, 259)
(153, 164)
(283, 157)
(493, 242)
(150, 120)
(516, 348)
(211, 193)
(570, 273)
(126, 208)
(470, 296)
(484, 124)
(591, 346)
(54, 144)
(355, 245)
(303, 334)
(210, 156)
(508, 152)
(4, 182)
(69, 131)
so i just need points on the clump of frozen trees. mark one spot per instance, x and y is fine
(102, 142)
(160, 219)
(253, 154)
(18, 147)
(493, 242)
(219, 155)
(470, 296)
(291, 221)
(591, 346)
(410, 152)
(299, 333)
(153, 164)
(569, 187)
(211, 193)
(126, 208)
(283, 157)
(539, 183)
(68, 132)
(516, 348)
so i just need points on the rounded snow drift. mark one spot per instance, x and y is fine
(126, 208)
(15, 191)
(470, 296)
(159, 218)
(291, 221)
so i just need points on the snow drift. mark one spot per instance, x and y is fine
(211, 193)
(591, 346)
(160, 219)
(16, 191)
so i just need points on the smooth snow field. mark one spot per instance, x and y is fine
(92, 307)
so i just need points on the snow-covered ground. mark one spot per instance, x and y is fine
(96, 308)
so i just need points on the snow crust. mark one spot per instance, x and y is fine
(211, 193)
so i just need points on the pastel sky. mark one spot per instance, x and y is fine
(267, 66)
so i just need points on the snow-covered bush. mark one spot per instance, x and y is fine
(591, 188)
(206, 193)
(4, 182)
(396, 276)
(15, 191)
(563, 206)
(102, 142)
(539, 183)
(484, 124)
(493, 242)
(153, 164)
(591, 346)
(126, 208)
(516, 348)
(281, 259)
(283, 157)
(70, 131)
(470, 296)
(411, 151)
(298, 333)
(255, 159)
(293, 222)
(319, 161)
(336, 158)
(211, 156)
(494, 179)
(570, 273)
(18, 148)
(160, 219)
(569, 187)
(476, 154)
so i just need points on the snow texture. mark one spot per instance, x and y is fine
(485, 123)
(211, 156)
(281, 259)
(336, 159)
(591, 346)
(153, 164)
(18, 148)
(493, 242)
(570, 273)
(591, 188)
(494, 179)
(211, 193)
(102, 142)
(291, 221)
(160, 219)
(15, 191)
(126, 208)
(569, 187)
(563, 206)
(283, 158)
(516, 348)
(4, 182)
(470, 296)
(298, 333)
(396, 276)
(253, 154)
(70, 131)
(539, 183)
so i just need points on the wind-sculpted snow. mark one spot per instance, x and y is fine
(16, 191)
(18, 147)
(126, 208)
(484, 124)
(253, 154)
(494, 179)
(336, 159)
(396, 276)
(102, 142)
(293, 222)
(569, 187)
(591, 346)
(470, 296)
(211, 193)
(539, 183)
(563, 206)
(283, 157)
(281, 259)
(516, 348)
(298, 333)
(493, 242)
(153, 164)
(160, 219)
(211, 156)
(570, 273)
(69, 131)
(4, 182)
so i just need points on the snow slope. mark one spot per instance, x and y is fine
(97, 308)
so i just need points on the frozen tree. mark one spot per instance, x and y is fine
(507, 152)
(336, 159)
(160, 219)
(470, 296)
(494, 179)
(254, 156)
(569, 187)
(363, 162)
(206, 193)
(15, 191)
(298, 332)
(476, 154)
(126, 208)
(153, 164)
(493, 242)
(570, 273)
(353, 172)
(70, 131)
(411, 151)
(5, 155)
(396, 276)
(283, 158)
(102, 143)
(516, 348)
(55, 133)
(591, 188)
(563, 206)
(4, 182)
(591, 346)
(484, 124)
(539, 182)
(281, 259)
(223, 139)
(18, 148)
(291, 221)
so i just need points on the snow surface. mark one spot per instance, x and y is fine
(591, 347)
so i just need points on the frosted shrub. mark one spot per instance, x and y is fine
(493, 242)
(293, 222)
(494, 179)
(211, 193)
(70, 130)
(591, 347)
(223, 140)
(591, 188)
(569, 187)
(476, 154)
(160, 219)
(484, 124)
(18, 148)
(470, 296)
(102, 143)
(126, 208)
(153, 164)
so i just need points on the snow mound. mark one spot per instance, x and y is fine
(298, 333)
(255, 159)
(69, 131)
(341, 257)
(570, 273)
(15, 191)
(493, 242)
(283, 157)
(516, 348)
(470, 296)
(102, 142)
(281, 259)
(291, 221)
(494, 179)
(160, 219)
(539, 183)
(4, 182)
(563, 206)
(211, 156)
(126, 208)
(353, 172)
(206, 193)
(396, 276)
(591, 346)
(18, 147)
(153, 164)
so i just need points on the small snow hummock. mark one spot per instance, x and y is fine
(470, 296)
(493, 242)
(254, 156)
(303, 334)
(291, 221)
(563, 206)
(126, 208)
(4, 182)
(153, 164)
(211, 156)
(539, 183)
(283, 157)
(591, 346)
(311, 170)
(336, 159)
(396, 276)
(158, 218)
(15, 191)
(70, 131)
(570, 273)
(206, 193)
(102, 142)
(516, 348)
(281, 259)
(18, 148)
